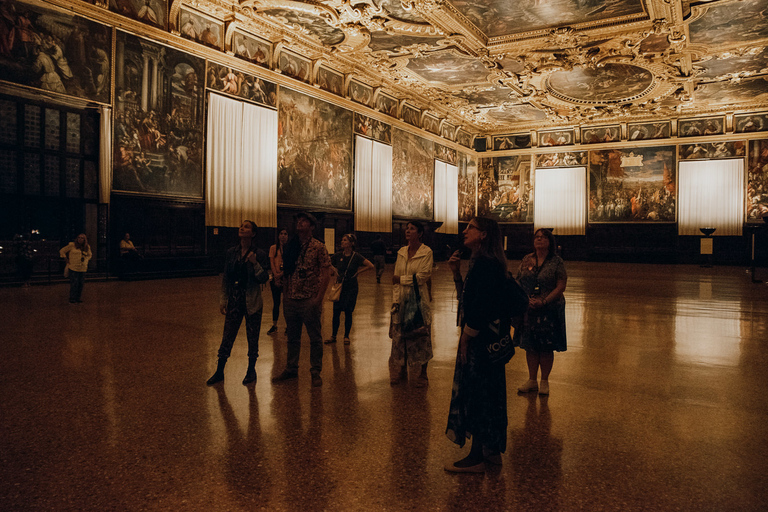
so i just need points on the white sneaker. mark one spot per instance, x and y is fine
(544, 387)
(530, 385)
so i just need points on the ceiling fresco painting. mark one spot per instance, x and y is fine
(497, 67)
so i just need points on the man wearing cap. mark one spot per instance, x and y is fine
(306, 264)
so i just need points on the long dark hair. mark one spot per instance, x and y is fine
(552, 245)
(490, 246)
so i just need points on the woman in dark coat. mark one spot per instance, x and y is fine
(479, 397)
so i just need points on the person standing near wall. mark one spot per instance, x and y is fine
(77, 254)
(306, 264)
(379, 251)
(276, 284)
(245, 270)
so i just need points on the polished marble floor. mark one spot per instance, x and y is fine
(658, 404)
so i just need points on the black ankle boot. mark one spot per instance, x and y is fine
(250, 375)
(219, 375)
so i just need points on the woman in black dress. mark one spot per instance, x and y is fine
(347, 265)
(479, 397)
(542, 275)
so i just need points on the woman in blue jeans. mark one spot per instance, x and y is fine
(77, 254)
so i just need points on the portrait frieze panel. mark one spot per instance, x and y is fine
(757, 180)
(504, 190)
(700, 126)
(314, 153)
(411, 115)
(294, 66)
(56, 52)
(598, 134)
(150, 12)
(712, 150)
(242, 85)
(464, 138)
(447, 131)
(330, 80)
(372, 128)
(556, 138)
(431, 124)
(387, 104)
(563, 159)
(251, 48)
(201, 28)
(644, 131)
(745, 123)
(514, 141)
(158, 127)
(361, 93)
(467, 187)
(413, 169)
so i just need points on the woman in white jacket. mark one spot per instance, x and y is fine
(77, 254)
(411, 349)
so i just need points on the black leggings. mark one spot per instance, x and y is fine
(277, 291)
(337, 321)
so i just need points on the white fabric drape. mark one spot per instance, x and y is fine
(241, 164)
(447, 197)
(711, 194)
(560, 200)
(373, 185)
(105, 154)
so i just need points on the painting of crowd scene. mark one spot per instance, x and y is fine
(712, 150)
(204, 30)
(446, 154)
(467, 187)
(431, 124)
(556, 138)
(151, 12)
(645, 131)
(252, 49)
(464, 138)
(636, 185)
(158, 120)
(54, 51)
(600, 134)
(413, 169)
(504, 189)
(294, 66)
(411, 115)
(750, 123)
(518, 141)
(314, 152)
(387, 104)
(372, 128)
(360, 93)
(566, 159)
(447, 131)
(331, 81)
(757, 180)
(698, 127)
(242, 85)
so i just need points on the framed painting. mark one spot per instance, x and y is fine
(564, 159)
(556, 138)
(150, 12)
(314, 153)
(158, 126)
(360, 93)
(330, 80)
(757, 180)
(745, 123)
(431, 124)
(504, 190)
(464, 138)
(372, 128)
(413, 169)
(201, 28)
(242, 85)
(645, 131)
(387, 104)
(712, 150)
(467, 187)
(445, 154)
(60, 53)
(411, 115)
(632, 185)
(700, 127)
(251, 48)
(447, 131)
(294, 66)
(516, 141)
(598, 134)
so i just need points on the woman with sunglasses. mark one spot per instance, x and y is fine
(77, 254)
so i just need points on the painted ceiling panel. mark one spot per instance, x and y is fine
(731, 23)
(449, 68)
(391, 42)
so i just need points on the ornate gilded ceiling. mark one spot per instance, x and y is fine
(501, 66)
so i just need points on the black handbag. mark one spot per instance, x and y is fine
(412, 323)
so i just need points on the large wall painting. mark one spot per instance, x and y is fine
(467, 187)
(757, 180)
(565, 159)
(556, 138)
(251, 48)
(712, 150)
(645, 131)
(242, 85)
(702, 126)
(314, 152)
(750, 123)
(516, 141)
(413, 169)
(632, 185)
(158, 119)
(330, 80)
(504, 188)
(151, 12)
(201, 28)
(598, 134)
(372, 128)
(55, 51)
